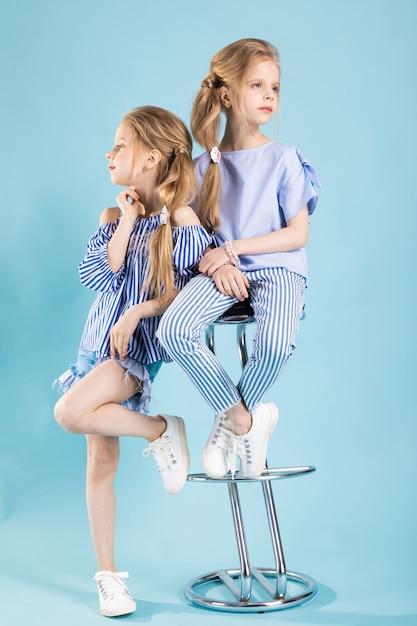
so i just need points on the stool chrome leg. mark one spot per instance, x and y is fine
(241, 341)
(209, 337)
(245, 571)
(241, 344)
(281, 586)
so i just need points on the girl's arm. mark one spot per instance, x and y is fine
(124, 328)
(131, 208)
(292, 237)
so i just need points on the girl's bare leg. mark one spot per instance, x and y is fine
(102, 463)
(93, 406)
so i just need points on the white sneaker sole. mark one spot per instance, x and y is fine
(115, 613)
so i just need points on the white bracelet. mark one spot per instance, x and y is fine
(234, 259)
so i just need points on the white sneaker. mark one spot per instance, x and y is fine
(114, 596)
(171, 454)
(252, 447)
(219, 453)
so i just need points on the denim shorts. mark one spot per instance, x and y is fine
(144, 373)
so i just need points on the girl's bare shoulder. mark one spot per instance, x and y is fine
(184, 216)
(109, 215)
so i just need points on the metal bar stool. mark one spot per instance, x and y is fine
(251, 589)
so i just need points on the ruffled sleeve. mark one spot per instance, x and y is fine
(190, 243)
(298, 185)
(94, 270)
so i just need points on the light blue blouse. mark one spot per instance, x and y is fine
(263, 188)
(118, 291)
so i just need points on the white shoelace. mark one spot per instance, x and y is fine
(111, 583)
(162, 452)
(225, 439)
(243, 450)
(224, 433)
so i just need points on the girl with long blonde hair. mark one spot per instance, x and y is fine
(256, 196)
(145, 250)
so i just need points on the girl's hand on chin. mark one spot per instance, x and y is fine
(129, 203)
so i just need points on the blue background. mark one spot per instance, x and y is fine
(347, 401)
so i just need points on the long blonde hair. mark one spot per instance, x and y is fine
(159, 129)
(228, 67)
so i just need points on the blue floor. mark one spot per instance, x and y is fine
(47, 561)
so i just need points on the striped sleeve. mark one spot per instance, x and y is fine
(94, 270)
(190, 243)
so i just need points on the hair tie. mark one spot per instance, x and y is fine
(164, 215)
(180, 150)
(215, 155)
(211, 81)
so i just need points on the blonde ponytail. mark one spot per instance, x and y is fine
(159, 129)
(228, 67)
(205, 125)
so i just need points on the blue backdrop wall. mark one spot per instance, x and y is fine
(348, 399)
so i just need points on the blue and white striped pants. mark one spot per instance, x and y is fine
(277, 298)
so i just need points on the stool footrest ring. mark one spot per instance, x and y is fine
(267, 475)
(262, 599)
